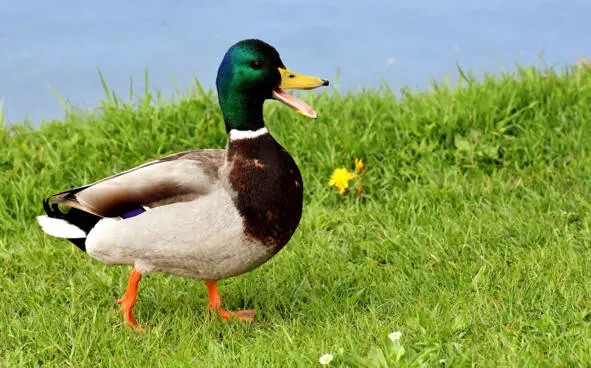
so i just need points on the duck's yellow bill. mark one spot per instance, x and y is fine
(292, 80)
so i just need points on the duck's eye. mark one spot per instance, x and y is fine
(256, 64)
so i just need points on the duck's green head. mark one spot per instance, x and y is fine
(252, 72)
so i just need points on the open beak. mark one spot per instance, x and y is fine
(292, 80)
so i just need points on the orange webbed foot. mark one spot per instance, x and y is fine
(128, 319)
(246, 315)
(215, 304)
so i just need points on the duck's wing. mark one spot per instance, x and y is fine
(180, 177)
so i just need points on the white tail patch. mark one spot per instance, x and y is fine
(60, 228)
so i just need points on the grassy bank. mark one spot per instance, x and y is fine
(470, 234)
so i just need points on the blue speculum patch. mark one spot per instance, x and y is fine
(133, 213)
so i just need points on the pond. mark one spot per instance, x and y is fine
(58, 46)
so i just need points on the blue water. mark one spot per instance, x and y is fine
(59, 44)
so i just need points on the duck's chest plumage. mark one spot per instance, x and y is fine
(267, 189)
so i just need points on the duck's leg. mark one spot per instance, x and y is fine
(128, 300)
(215, 303)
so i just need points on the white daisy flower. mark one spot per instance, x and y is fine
(325, 359)
(395, 336)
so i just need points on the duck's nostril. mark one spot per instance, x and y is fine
(292, 76)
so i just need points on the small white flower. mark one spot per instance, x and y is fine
(325, 359)
(395, 336)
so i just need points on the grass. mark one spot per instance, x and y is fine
(471, 235)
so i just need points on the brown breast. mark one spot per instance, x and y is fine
(269, 189)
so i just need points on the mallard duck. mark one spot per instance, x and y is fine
(206, 214)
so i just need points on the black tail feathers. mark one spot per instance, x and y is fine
(81, 219)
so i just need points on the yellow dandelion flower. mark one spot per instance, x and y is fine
(340, 179)
(359, 165)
